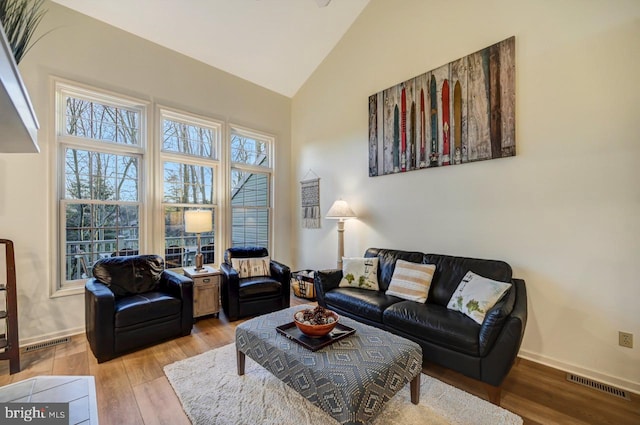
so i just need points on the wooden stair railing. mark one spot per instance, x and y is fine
(9, 313)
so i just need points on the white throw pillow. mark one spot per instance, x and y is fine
(411, 281)
(476, 295)
(252, 267)
(360, 273)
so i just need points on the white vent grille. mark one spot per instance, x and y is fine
(47, 344)
(598, 386)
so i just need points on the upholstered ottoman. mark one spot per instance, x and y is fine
(351, 379)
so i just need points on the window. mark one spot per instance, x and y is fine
(190, 168)
(251, 176)
(119, 194)
(100, 144)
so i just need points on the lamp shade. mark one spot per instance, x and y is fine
(197, 221)
(340, 210)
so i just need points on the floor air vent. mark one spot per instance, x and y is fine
(598, 386)
(47, 344)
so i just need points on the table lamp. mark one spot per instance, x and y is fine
(198, 221)
(340, 211)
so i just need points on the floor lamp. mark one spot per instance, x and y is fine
(198, 221)
(340, 211)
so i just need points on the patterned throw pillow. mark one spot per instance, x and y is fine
(476, 295)
(411, 281)
(252, 267)
(360, 273)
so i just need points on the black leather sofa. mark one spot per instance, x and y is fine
(449, 338)
(251, 296)
(132, 302)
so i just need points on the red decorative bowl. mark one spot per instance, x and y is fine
(317, 331)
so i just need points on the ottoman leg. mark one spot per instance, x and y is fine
(240, 358)
(415, 389)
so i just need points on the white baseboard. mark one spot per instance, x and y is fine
(621, 383)
(42, 338)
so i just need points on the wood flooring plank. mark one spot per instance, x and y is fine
(115, 397)
(5, 377)
(167, 353)
(34, 363)
(193, 345)
(159, 404)
(78, 344)
(71, 364)
(142, 366)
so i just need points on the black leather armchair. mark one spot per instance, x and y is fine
(132, 302)
(251, 296)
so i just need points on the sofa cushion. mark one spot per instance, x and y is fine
(258, 286)
(476, 295)
(252, 267)
(360, 273)
(129, 275)
(387, 262)
(434, 323)
(450, 271)
(141, 308)
(411, 281)
(360, 302)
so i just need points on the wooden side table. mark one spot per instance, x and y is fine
(206, 291)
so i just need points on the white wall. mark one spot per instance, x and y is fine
(88, 51)
(564, 212)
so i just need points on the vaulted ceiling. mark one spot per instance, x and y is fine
(276, 44)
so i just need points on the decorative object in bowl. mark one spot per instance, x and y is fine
(316, 322)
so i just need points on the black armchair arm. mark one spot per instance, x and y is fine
(180, 286)
(99, 317)
(280, 271)
(496, 365)
(282, 274)
(324, 281)
(175, 284)
(230, 290)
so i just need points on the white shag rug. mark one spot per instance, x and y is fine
(211, 392)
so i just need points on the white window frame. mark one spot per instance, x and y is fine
(215, 162)
(62, 88)
(269, 169)
(151, 230)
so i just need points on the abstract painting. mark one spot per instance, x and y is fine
(461, 112)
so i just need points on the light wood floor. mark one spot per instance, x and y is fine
(133, 389)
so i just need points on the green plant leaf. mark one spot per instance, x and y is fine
(19, 19)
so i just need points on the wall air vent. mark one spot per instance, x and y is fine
(598, 386)
(47, 344)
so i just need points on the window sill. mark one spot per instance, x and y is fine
(67, 291)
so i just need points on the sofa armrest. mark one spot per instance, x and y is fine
(99, 316)
(502, 354)
(495, 319)
(324, 281)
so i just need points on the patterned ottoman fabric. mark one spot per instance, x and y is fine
(350, 379)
